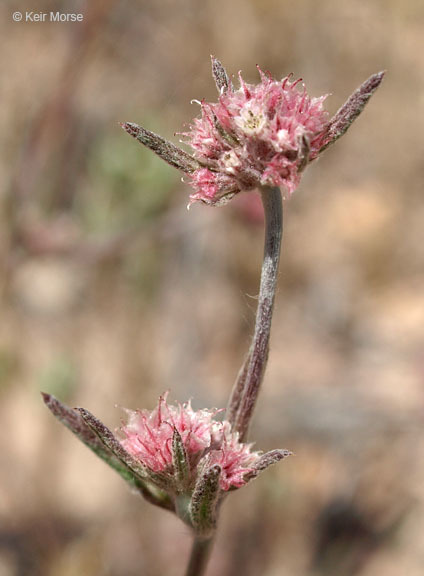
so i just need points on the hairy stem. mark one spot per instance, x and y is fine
(235, 397)
(199, 556)
(245, 392)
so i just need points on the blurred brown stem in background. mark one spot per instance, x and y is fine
(52, 148)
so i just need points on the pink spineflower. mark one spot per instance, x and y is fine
(254, 136)
(149, 438)
(148, 434)
(178, 458)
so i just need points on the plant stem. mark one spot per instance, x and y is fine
(246, 388)
(199, 556)
(245, 391)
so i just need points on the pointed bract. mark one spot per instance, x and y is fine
(203, 507)
(109, 440)
(348, 113)
(166, 150)
(220, 75)
(73, 419)
(266, 460)
(180, 461)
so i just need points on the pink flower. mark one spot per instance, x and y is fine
(178, 458)
(257, 135)
(234, 458)
(149, 433)
(207, 442)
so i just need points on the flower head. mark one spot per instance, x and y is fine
(256, 135)
(178, 458)
(149, 437)
(148, 434)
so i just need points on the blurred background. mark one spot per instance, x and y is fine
(112, 293)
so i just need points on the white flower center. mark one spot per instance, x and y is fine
(251, 120)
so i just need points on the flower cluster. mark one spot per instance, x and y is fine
(149, 436)
(255, 136)
(178, 458)
(258, 135)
